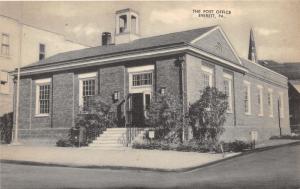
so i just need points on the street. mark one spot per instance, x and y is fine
(274, 168)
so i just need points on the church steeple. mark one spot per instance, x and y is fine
(252, 49)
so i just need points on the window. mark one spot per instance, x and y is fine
(87, 89)
(260, 100)
(207, 77)
(142, 79)
(228, 90)
(281, 105)
(88, 92)
(270, 102)
(247, 99)
(43, 96)
(123, 23)
(5, 45)
(42, 51)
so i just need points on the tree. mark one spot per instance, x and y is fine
(208, 114)
(97, 117)
(165, 115)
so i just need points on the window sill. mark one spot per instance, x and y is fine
(41, 115)
(248, 114)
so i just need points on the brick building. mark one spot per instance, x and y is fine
(292, 72)
(128, 72)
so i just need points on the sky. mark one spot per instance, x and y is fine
(276, 24)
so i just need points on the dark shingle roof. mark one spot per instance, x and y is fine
(143, 43)
(290, 70)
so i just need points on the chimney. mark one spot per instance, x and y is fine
(106, 38)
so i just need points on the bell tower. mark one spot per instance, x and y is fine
(127, 26)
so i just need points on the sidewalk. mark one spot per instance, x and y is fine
(118, 159)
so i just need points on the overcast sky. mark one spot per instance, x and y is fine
(276, 24)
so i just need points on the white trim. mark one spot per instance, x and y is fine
(38, 83)
(271, 106)
(80, 96)
(210, 72)
(261, 105)
(41, 81)
(248, 85)
(124, 57)
(204, 35)
(225, 37)
(229, 78)
(140, 68)
(281, 104)
(87, 75)
(196, 50)
(265, 68)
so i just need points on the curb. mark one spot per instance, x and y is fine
(20, 162)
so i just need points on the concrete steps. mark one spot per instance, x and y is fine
(111, 139)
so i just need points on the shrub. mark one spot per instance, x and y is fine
(208, 114)
(6, 126)
(64, 143)
(97, 117)
(236, 146)
(165, 115)
(292, 137)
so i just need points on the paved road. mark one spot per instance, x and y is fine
(275, 168)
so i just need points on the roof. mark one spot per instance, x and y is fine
(139, 44)
(290, 70)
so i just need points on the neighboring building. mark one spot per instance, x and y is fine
(292, 71)
(24, 44)
(56, 89)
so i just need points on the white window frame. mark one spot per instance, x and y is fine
(210, 72)
(38, 83)
(247, 84)
(261, 105)
(5, 44)
(281, 104)
(84, 77)
(140, 70)
(229, 78)
(271, 105)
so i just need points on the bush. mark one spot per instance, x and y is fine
(6, 126)
(64, 143)
(208, 114)
(292, 137)
(96, 118)
(191, 146)
(165, 115)
(236, 146)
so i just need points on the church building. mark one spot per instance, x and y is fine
(129, 71)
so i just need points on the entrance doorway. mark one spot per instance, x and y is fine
(138, 119)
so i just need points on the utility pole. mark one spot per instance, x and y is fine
(16, 133)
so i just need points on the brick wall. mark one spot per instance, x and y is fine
(168, 75)
(62, 105)
(238, 124)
